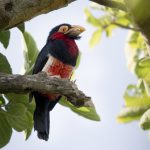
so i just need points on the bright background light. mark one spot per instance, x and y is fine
(102, 74)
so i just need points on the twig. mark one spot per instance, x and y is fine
(125, 27)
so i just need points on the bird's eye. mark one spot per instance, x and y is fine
(63, 29)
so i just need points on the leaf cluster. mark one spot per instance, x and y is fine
(106, 23)
(136, 97)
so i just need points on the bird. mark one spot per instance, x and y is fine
(57, 58)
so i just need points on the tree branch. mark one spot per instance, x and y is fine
(14, 12)
(111, 3)
(45, 84)
(125, 27)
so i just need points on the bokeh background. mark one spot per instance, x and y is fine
(102, 74)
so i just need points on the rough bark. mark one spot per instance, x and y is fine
(14, 12)
(45, 84)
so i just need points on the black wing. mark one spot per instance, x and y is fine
(41, 60)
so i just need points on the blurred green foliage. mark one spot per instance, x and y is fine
(136, 97)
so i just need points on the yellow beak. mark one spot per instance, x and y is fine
(75, 30)
(79, 28)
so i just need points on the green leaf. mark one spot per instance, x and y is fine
(78, 60)
(5, 37)
(109, 30)
(147, 88)
(19, 123)
(136, 40)
(5, 130)
(136, 97)
(16, 109)
(30, 51)
(143, 69)
(30, 70)
(123, 21)
(28, 130)
(18, 98)
(21, 98)
(2, 100)
(96, 37)
(129, 114)
(23, 120)
(87, 112)
(21, 27)
(134, 49)
(4, 65)
(105, 21)
(16, 115)
(91, 19)
(145, 120)
(77, 65)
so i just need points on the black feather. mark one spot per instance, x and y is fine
(41, 59)
(41, 116)
(59, 50)
(55, 29)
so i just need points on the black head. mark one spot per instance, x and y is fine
(72, 31)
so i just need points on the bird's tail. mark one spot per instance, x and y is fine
(42, 115)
